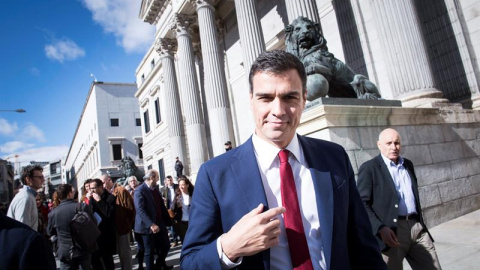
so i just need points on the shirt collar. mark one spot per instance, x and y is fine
(267, 152)
(31, 190)
(389, 162)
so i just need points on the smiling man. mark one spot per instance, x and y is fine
(389, 189)
(24, 206)
(280, 200)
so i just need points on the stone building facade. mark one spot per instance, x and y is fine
(194, 76)
(108, 131)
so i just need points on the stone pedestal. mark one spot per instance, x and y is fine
(443, 144)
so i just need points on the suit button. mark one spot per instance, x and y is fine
(396, 205)
(394, 220)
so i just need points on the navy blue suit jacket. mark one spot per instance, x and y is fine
(230, 186)
(23, 248)
(146, 213)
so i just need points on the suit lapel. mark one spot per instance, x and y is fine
(386, 173)
(322, 182)
(248, 177)
(249, 181)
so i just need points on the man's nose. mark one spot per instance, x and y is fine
(277, 107)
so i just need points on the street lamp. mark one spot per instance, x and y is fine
(17, 110)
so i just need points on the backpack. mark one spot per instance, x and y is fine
(84, 232)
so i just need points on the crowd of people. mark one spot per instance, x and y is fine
(278, 201)
(136, 212)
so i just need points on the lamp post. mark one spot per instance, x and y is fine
(17, 110)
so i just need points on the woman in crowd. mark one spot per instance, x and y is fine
(181, 206)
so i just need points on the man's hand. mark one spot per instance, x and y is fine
(96, 197)
(389, 237)
(255, 232)
(154, 228)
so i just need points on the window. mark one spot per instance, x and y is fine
(152, 64)
(114, 122)
(149, 167)
(157, 111)
(142, 78)
(117, 151)
(161, 169)
(146, 120)
(138, 122)
(140, 152)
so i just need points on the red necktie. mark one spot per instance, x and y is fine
(297, 242)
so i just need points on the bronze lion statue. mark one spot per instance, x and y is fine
(326, 75)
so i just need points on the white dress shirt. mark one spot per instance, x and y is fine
(269, 166)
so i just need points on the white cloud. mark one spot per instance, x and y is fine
(32, 132)
(46, 153)
(7, 128)
(14, 146)
(61, 50)
(120, 18)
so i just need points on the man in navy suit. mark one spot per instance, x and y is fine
(238, 216)
(23, 248)
(151, 220)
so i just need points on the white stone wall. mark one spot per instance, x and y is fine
(443, 144)
(90, 153)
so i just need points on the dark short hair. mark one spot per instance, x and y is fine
(98, 182)
(63, 190)
(277, 62)
(28, 172)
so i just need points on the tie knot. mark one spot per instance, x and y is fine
(283, 155)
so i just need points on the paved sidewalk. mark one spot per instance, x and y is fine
(457, 243)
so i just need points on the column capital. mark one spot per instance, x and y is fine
(184, 24)
(205, 4)
(165, 47)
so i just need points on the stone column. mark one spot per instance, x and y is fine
(219, 114)
(165, 48)
(190, 95)
(250, 30)
(305, 8)
(253, 44)
(407, 60)
(465, 48)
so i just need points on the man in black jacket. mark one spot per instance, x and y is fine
(59, 224)
(389, 189)
(103, 204)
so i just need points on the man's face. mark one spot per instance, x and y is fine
(36, 181)
(154, 178)
(107, 182)
(132, 182)
(96, 189)
(389, 144)
(277, 103)
(168, 182)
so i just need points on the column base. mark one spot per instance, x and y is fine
(475, 102)
(430, 98)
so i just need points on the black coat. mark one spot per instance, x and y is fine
(380, 198)
(105, 208)
(59, 224)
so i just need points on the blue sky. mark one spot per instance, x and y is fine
(48, 50)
